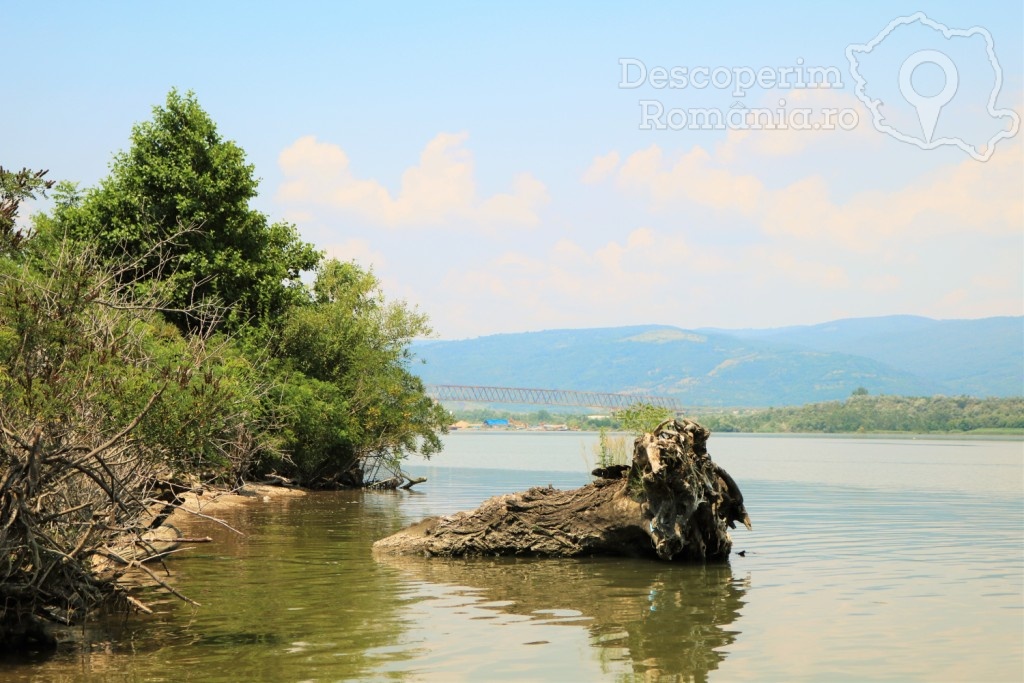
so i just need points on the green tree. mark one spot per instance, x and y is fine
(348, 386)
(174, 215)
(179, 173)
(15, 187)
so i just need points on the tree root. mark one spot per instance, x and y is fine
(672, 503)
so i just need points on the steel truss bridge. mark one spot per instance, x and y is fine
(551, 397)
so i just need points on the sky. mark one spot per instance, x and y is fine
(526, 166)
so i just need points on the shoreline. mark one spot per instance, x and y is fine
(214, 500)
(980, 435)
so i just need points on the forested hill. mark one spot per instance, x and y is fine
(902, 355)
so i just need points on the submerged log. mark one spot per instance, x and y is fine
(671, 503)
(396, 482)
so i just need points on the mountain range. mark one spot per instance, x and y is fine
(905, 355)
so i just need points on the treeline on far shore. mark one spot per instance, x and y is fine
(863, 414)
(860, 413)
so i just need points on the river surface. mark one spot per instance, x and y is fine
(870, 559)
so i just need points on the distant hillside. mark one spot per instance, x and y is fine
(784, 366)
(974, 357)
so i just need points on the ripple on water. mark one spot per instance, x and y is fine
(913, 579)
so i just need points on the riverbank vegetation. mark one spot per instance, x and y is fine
(157, 334)
(860, 413)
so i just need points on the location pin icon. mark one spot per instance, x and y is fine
(928, 108)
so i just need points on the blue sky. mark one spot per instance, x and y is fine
(485, 161)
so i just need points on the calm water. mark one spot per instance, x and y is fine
(870, 559)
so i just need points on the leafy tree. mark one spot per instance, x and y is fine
(180, 173)
(347, 382)
(15, 187)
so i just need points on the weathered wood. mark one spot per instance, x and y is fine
(673, 503)
(410, 482)
(277, 480)
(396, 482)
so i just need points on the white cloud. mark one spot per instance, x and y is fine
(438, 190)
(644, 277)
(600, 168)
(763, 228)
(784, 264)
(693, 176)
(795, 138)
(968, 197)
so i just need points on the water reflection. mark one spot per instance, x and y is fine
(645, 617)
(295, 597)
(851, 582)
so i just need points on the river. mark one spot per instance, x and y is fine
(870, 559)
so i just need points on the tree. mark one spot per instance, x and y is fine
(179, 172)
(176, 207)
(348, 392)
(15, 187)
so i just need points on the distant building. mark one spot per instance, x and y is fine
(497, 422)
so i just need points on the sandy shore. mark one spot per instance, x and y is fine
(215, 501)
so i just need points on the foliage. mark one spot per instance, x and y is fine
(154, 333)
(15, 187)
(101, 400)
(860, 413)
(863, 413)
(629, 420)
(335, 356)
(642, 418)
(611, 449)
(179, 173)
(348, 384)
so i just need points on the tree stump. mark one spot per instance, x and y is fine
(672, 503)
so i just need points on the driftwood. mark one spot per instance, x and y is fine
(396, 482)
(671, 503)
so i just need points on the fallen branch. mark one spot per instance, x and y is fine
(412, 482)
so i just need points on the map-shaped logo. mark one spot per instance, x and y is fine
(931, 85)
